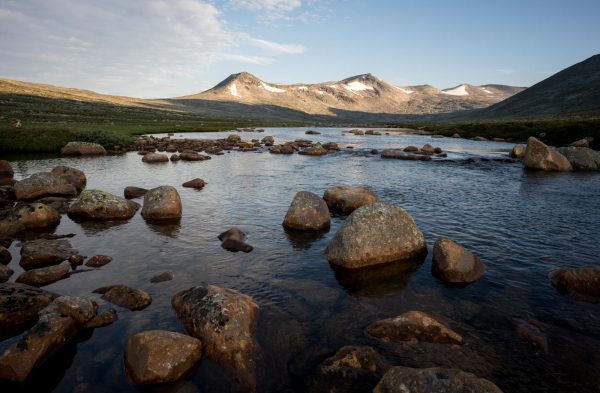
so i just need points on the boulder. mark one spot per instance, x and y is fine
(5, 273)
(80, 309)
(45, 275)
(225, 321)
(192, 156)
(20, 304)
(5, 256)
(40, 185)
(376, 234)
(455, 264)
(351, 369)
(518, 151)
(162, 277)
(539, 156)
(234, 240)
(162, 204)
(134, 192)
(121, 295)
(42, 252)
(581, 143)
(582, 158)
(413, 325)
(195, 183)
(83, 149)
(175, 158)
(7, 195)
(6, 169)
(315, 150)
(346, 199)
(101, 206)
(234, 138)
(159, 356)
(282, 149)
(37, 345)
(581, 283)
(10, 223)
(104, 319)
(37, 215)
(155, 157)
(429, 380)
(61, 205)
(98, 261)
(73, 176)
(400, 155)
(427, 149)
(268, 140)
(308, 212)
(456, 135)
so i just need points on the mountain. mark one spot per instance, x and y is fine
(364, 94)
(570, 93)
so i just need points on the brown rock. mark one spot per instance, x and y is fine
(195, 183)
(83, 149)
(400, 155)
(268, 140)
(80, 309)
(165, 276)
(282, 149)
(234, 138)
(40, 252)
(10, 223)
(316, 150)
(37, 215)
(455, 264)
(581, 283)
(308, 212)
(5, 256)
(375, 234)
(456, 135)
(158, 356)
(121, 295)
(20, 304)
(531, 332)
(98, 261)
(134, 192)
(101, 206)
(539, 156)
(41, 185)
(234, 240)
(427, 149)
(346, 199)
(5, 273)
(61, 205)
(155, 157)
(73, 176)
(429, 380)
(413, 325)
(579, 143)
(518, 151)
(5, 169)
(162, 204)
(37, 345)
(45, 275)
(192, 156)
(225, 321)
(104, 319)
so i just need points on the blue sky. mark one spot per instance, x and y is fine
(161, 48)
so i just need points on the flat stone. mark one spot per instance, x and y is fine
(101, 206)
(45, 275)
(413, 325)
(121, 295)
(103, 319)
(20, 304)
(98, 261)
(41, 252)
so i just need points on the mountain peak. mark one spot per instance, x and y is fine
(241, 77)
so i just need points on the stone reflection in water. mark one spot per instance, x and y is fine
(304, 240)
(170, 229)
(92, 228)
(377, 280)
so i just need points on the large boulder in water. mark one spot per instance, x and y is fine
(20, 304)
(376, 234)
(518, 151)
(162, 204)
(83, 149)
(43, 252)
(308, 212)
(413, 325)
(454, 263)
(581, 283)
(43, 340)
(37, 215)
(45, 275)
(582, 158)
(316, 150)
(73, 176)
(429, 380)
(346, 199)
(159, 356)
(41, 185)
(225, 321)
(100, 205)
(539, 156)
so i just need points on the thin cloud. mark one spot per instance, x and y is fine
(278, 48)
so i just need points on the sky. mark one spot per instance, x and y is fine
(167, 48)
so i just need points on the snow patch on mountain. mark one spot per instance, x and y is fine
(234, 91)
(457, 91)
(272, 89)
(406, 91)
(357, 86)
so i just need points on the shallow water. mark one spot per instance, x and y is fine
(521, 224)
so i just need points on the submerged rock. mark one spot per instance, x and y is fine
(531, 332)
(400, 155)
(195, 183)
(37, 345)
(234, 240)
(581, 283)
(40, 252)
(100, 205)
(20, 304)
(83, 149)
(121, 295)
(225, 321)
(162, 204)
(159, 356)
(98, 261)
(45, 275)
(539, 156)
(104, 319)
(308, 212)
(165, 276)
(80, 309)
(37, 215)
(41, 185)
(455, 264)
(134, 192)
(346, 199)
(429, 380)
(351, 369)
(375, 234)
(413, 325)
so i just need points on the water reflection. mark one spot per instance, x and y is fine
(170, 229)
(303, 240)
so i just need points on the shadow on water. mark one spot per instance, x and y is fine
(303, 240)
(377, 280)
(170, 229)
(91, 228)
